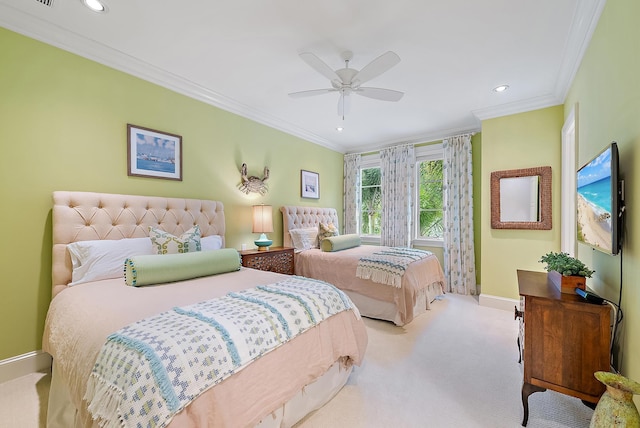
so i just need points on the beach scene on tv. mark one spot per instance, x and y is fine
(594, 202)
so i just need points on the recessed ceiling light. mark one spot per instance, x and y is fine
(339, 129)
(95, 5)
(501, 88)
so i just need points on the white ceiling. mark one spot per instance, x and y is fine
(242, 56)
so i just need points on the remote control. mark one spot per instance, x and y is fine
(589, 296)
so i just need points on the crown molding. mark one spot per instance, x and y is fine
(581, 30)
(585, 21)
(38, 29)
(530, 104)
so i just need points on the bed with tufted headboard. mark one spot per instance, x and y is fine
(85, 216)
(420, 284)
(97, 312)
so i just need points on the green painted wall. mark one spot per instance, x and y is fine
(607, 92)
(63, 127)
(523, 140)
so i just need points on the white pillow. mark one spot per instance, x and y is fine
(213, 242)
(304, 238)
(104, 259)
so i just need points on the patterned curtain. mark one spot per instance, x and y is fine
(396, 175)
(459, 259)
(351, 199)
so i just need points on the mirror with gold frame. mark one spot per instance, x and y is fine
(521, 199)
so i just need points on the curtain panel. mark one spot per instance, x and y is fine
(351, 194)
(459, 258)
(397, 177)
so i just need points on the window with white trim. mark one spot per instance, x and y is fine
(428, 214)
(370, 201)
(370, 194)
(428, 198)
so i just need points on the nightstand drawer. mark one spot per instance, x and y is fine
(277, 259)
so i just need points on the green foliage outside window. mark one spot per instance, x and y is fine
(431, 216)
(371, 201)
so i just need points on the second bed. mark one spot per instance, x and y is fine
(421, 283)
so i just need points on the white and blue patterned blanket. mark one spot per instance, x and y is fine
(388, 266)
(151, 369)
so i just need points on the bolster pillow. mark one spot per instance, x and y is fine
(341, 242)
(161, 268)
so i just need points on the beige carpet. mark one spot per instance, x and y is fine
(455, 366)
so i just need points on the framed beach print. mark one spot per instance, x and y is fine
(310, 184)
(152, 153)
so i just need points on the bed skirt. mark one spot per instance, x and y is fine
(62, 414)
(388, 311)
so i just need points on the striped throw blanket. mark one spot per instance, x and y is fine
(388, 266)
(151, 369)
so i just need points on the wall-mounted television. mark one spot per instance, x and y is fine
(600, 202)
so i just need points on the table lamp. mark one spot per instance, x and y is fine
(262, 223)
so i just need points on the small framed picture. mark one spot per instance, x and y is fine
(310, 184)
(152, 153)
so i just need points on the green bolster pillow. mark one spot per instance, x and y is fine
(161, 268)
(341, 242)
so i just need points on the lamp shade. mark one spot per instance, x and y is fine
(262, 219)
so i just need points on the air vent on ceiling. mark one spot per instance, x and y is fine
(46, 2)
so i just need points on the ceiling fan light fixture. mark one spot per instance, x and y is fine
(500, 88)
(95, 5)
(347, 80)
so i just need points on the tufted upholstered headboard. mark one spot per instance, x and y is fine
(294, 217)
(84, 216)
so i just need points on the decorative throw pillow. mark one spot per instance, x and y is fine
(305, 238)
(166, 243)
(326, 231)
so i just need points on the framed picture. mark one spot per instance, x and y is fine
(310, 184)
(152, 153)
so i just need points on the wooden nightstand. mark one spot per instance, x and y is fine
(277, 259)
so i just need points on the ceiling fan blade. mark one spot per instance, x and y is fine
(344, 104)
(320, 66)
(311, 93)
(376, 67)
(380, 94)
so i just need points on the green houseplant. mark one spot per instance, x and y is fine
(565, 265)
(565, 272)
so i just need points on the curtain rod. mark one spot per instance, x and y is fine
(471, 134)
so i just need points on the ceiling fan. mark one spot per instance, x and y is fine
(348, 81)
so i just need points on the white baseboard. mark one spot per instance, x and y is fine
(21, 365)
(498, 302)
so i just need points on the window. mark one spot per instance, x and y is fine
(429, 221)
(370, 201)
(430, 199)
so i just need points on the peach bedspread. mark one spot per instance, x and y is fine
(81, 317)
(339, 269)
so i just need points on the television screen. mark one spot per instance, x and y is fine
(598, 202)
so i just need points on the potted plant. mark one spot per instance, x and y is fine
(566, 272)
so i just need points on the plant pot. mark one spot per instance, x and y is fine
(567, 284)
(616, 407)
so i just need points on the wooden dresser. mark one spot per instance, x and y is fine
(276, 259)
(564, 340)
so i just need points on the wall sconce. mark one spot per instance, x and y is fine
(263, 224)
